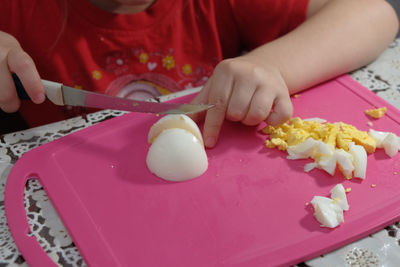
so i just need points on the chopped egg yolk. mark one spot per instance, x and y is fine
(331, 145)
(376, 113)
(338, 135)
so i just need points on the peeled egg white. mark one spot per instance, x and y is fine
(345, 160)
(328, 163)
(325, 149)
(303, 150)
(359, 159)
(327, 212)
(378, 136)
(386, 140)
(174, 121)
(177, 155)
(338, 194)
(325, 160)
(391, 145)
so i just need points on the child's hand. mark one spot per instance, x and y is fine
(15, 60)
(245, 91)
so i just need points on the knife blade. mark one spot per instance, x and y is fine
(62, 95)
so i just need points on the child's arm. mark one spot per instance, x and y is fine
(338, 36)
(15, 60)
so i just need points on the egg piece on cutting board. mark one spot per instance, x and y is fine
(390, 142)
(177, 151)
(329, 211)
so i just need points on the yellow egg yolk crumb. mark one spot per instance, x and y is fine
(338, 135)
(376, 113)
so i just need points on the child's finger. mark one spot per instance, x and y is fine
(22, 64)
(240, 99)
(200, 98)
(260, 107)
(9, 101)
(219, 95)
(283, 110)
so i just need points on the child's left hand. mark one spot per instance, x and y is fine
(243, 90)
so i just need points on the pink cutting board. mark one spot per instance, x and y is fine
(248, 209)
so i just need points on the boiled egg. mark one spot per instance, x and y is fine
(174, 121)
(177, 151)
(329, 211)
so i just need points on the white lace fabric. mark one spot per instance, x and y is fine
(380, 249)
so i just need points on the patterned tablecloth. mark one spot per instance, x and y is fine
(380, 249)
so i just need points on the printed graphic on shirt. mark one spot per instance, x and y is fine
(138, 74)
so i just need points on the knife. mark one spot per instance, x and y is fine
(62, 95)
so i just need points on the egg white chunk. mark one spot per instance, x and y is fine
(303, 150)
(325, 149)
(345, 160)
(378, 136)
(319, 120)
(359, 159)
(328, 164)
(310, 166)
(177, 155)
(327, 211)
(390, 142)
(338, 194)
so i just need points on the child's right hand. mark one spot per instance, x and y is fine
(13, 59)
(243, 89)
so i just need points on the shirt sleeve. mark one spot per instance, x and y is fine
(261, 21)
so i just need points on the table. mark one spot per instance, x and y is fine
(380, 249)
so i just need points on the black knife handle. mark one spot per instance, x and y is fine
(22, 94)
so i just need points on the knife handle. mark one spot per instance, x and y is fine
(20, 88)
(53, 90)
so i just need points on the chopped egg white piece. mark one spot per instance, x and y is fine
(325, 149)
(359, 159)
(328, 164)
(319, 120)
(390, 142)
(329, 211)
(177, 151)
(303, 150)
(378, 136)
(310, 166)
(345, 162)
(338, 194)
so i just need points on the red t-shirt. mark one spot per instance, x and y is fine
(173, 45)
